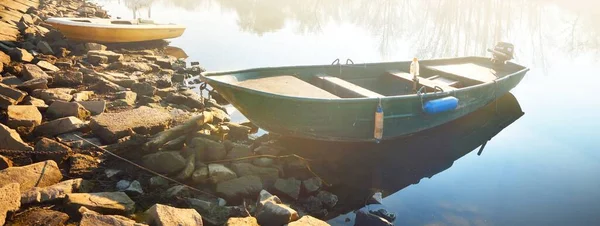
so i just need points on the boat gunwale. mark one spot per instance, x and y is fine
(205, 77)
(67, 21)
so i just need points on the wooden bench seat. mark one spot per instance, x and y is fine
(343, 88)
(422, 81)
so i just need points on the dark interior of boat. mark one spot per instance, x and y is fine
(371, 80)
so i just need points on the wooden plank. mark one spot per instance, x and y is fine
(422, 81)
(286, 85)
(469, 70)
(344, 88)
(14, 5)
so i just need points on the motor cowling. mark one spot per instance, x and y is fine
(502, 52)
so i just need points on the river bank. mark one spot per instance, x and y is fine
(178, 159)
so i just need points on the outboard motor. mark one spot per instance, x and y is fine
(503, 52)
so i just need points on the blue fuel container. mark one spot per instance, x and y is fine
(440, 105)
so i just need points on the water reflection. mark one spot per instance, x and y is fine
(357, 170)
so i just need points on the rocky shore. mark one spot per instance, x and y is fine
(96, 134)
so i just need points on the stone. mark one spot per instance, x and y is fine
(90, 46)
(39, 103)
(189, 168)
(271, 211)
(177, 191)
(72, 140)
(4, 59)
(82, 96)
(97, 60)
(213, 173)
(290, 187)
(235, 189)
(130, 187)
(64, 63)
(6, 101)
(112, 172)
(54, 192)
(143, 88)
(32, 71)
(95, 107)
(178, 78)
(23, 115)
(5, 162)
(82, 164)
(267, 150)
(112, 56)
(9, 199)
(308, 221)
(11, 81)
(241, 221)
(212, 213)
(102, 202)
(90, 218)
(268, 175)
(328, 199)
(128, 96)
(45, 65)
(157, 181)
(143, 120)
(312, 185)
(21, 55)
(163, 83)
(148, 100)
(11, 140)
(239, 151)
(45, 48)
(49, 145)
(164, 162)
(130, 66)
(219, 115)
(15, 94)
(68, 78)
(40, 217)
(207, 149)
(190, 102)
(33, 84)
(162, 215)
(59, 126)
(263, 162)
(51, 95)
(105, 86)
(365, 218)
(313, 206)
(59, 109)
(39, 174)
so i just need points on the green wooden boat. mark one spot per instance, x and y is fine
(338, 102)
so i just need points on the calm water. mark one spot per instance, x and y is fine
(541, 169)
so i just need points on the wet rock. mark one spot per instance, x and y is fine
(51, 95)
(239, 151)
(82, 164)
(189, 168)
(11, 140)
(23, 115)
(9, 199)
(41, 217)
(241, 221)
(328, 199)
(59, 126)
(213, 173)
(110, 55)
(90, 46)
(33, 84)
(68, 78)
(207, 149)
(128, 96)
(143, 88)
(32, 71)
(308, 220)
(235, 189)
(162, 215)
(157, 181)
(12, 93)
(20, 55)
(164, 162)
(312, 185)
(290, 187)
(105, 86)
(268, 175)
(45, 48)
(102, 202)
(365, 218)
(45, 65)
(59, 109)
(143, 120)
(39, 174)
(130, 66)
(271, 211)
(95, 107)
(5, 162)
(54, 192)
(82, 96)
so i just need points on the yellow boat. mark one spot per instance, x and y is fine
(114, 30)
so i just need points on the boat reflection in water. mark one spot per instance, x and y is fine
(356, 171)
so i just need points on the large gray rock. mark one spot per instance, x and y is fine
(12, 140)
(162, 215)
(164, 162)
(41, 217)
(207, 150)
(102, 202)
(308, 220)
(143, 120)
(9, 199)
(54, 192)
(23, 115)
(312, 185)
(235, 189)
(39, 174)
(15, 94)
(59, 109)
(268, 175)
(290, 187)
(111, 56)
(54, 94)
(59, 126)
(95, 107)
(271, 211)
(213, 173)
(32, 71)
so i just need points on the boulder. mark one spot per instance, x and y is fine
(11, 140)
(97, 60)
(4, 59)
(59, 109)
(212, 212)
(157, 181)
(312, 185)
(45, 65)
(54, 192)
(164, 162)
(39, 103)
(271, 211)
(177, 191)
(33, 84)
(45, 145)
(313, 206)
(235, 189)
(268, 175)
(82, 96)
(68, 78)
(15, 94)
(9, 199)
(191, 102)
(241, 221)
(5, 162)
(290, 187)
(90, 218)
(219, 115)
(308, 220)
(128, 96)
(148, 100)
(162, 215)
(32, 71)
(144, 89)
(112, 56)
(208, 150)
(41, 217)
(23, 115)
(239, 151)
(263, 162)
(213, 173)
(90, 46)
(328, 199)
(143, 120)
(20, 55)
(11, 81)
(95, 107)
(82, 164)
(178, 78)
(102, 202)
(6, 101)
(105, 86)
(77, 142)
(130, 187)
(54, 94)
(39, 174)
(45, 48)
(59, 126)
